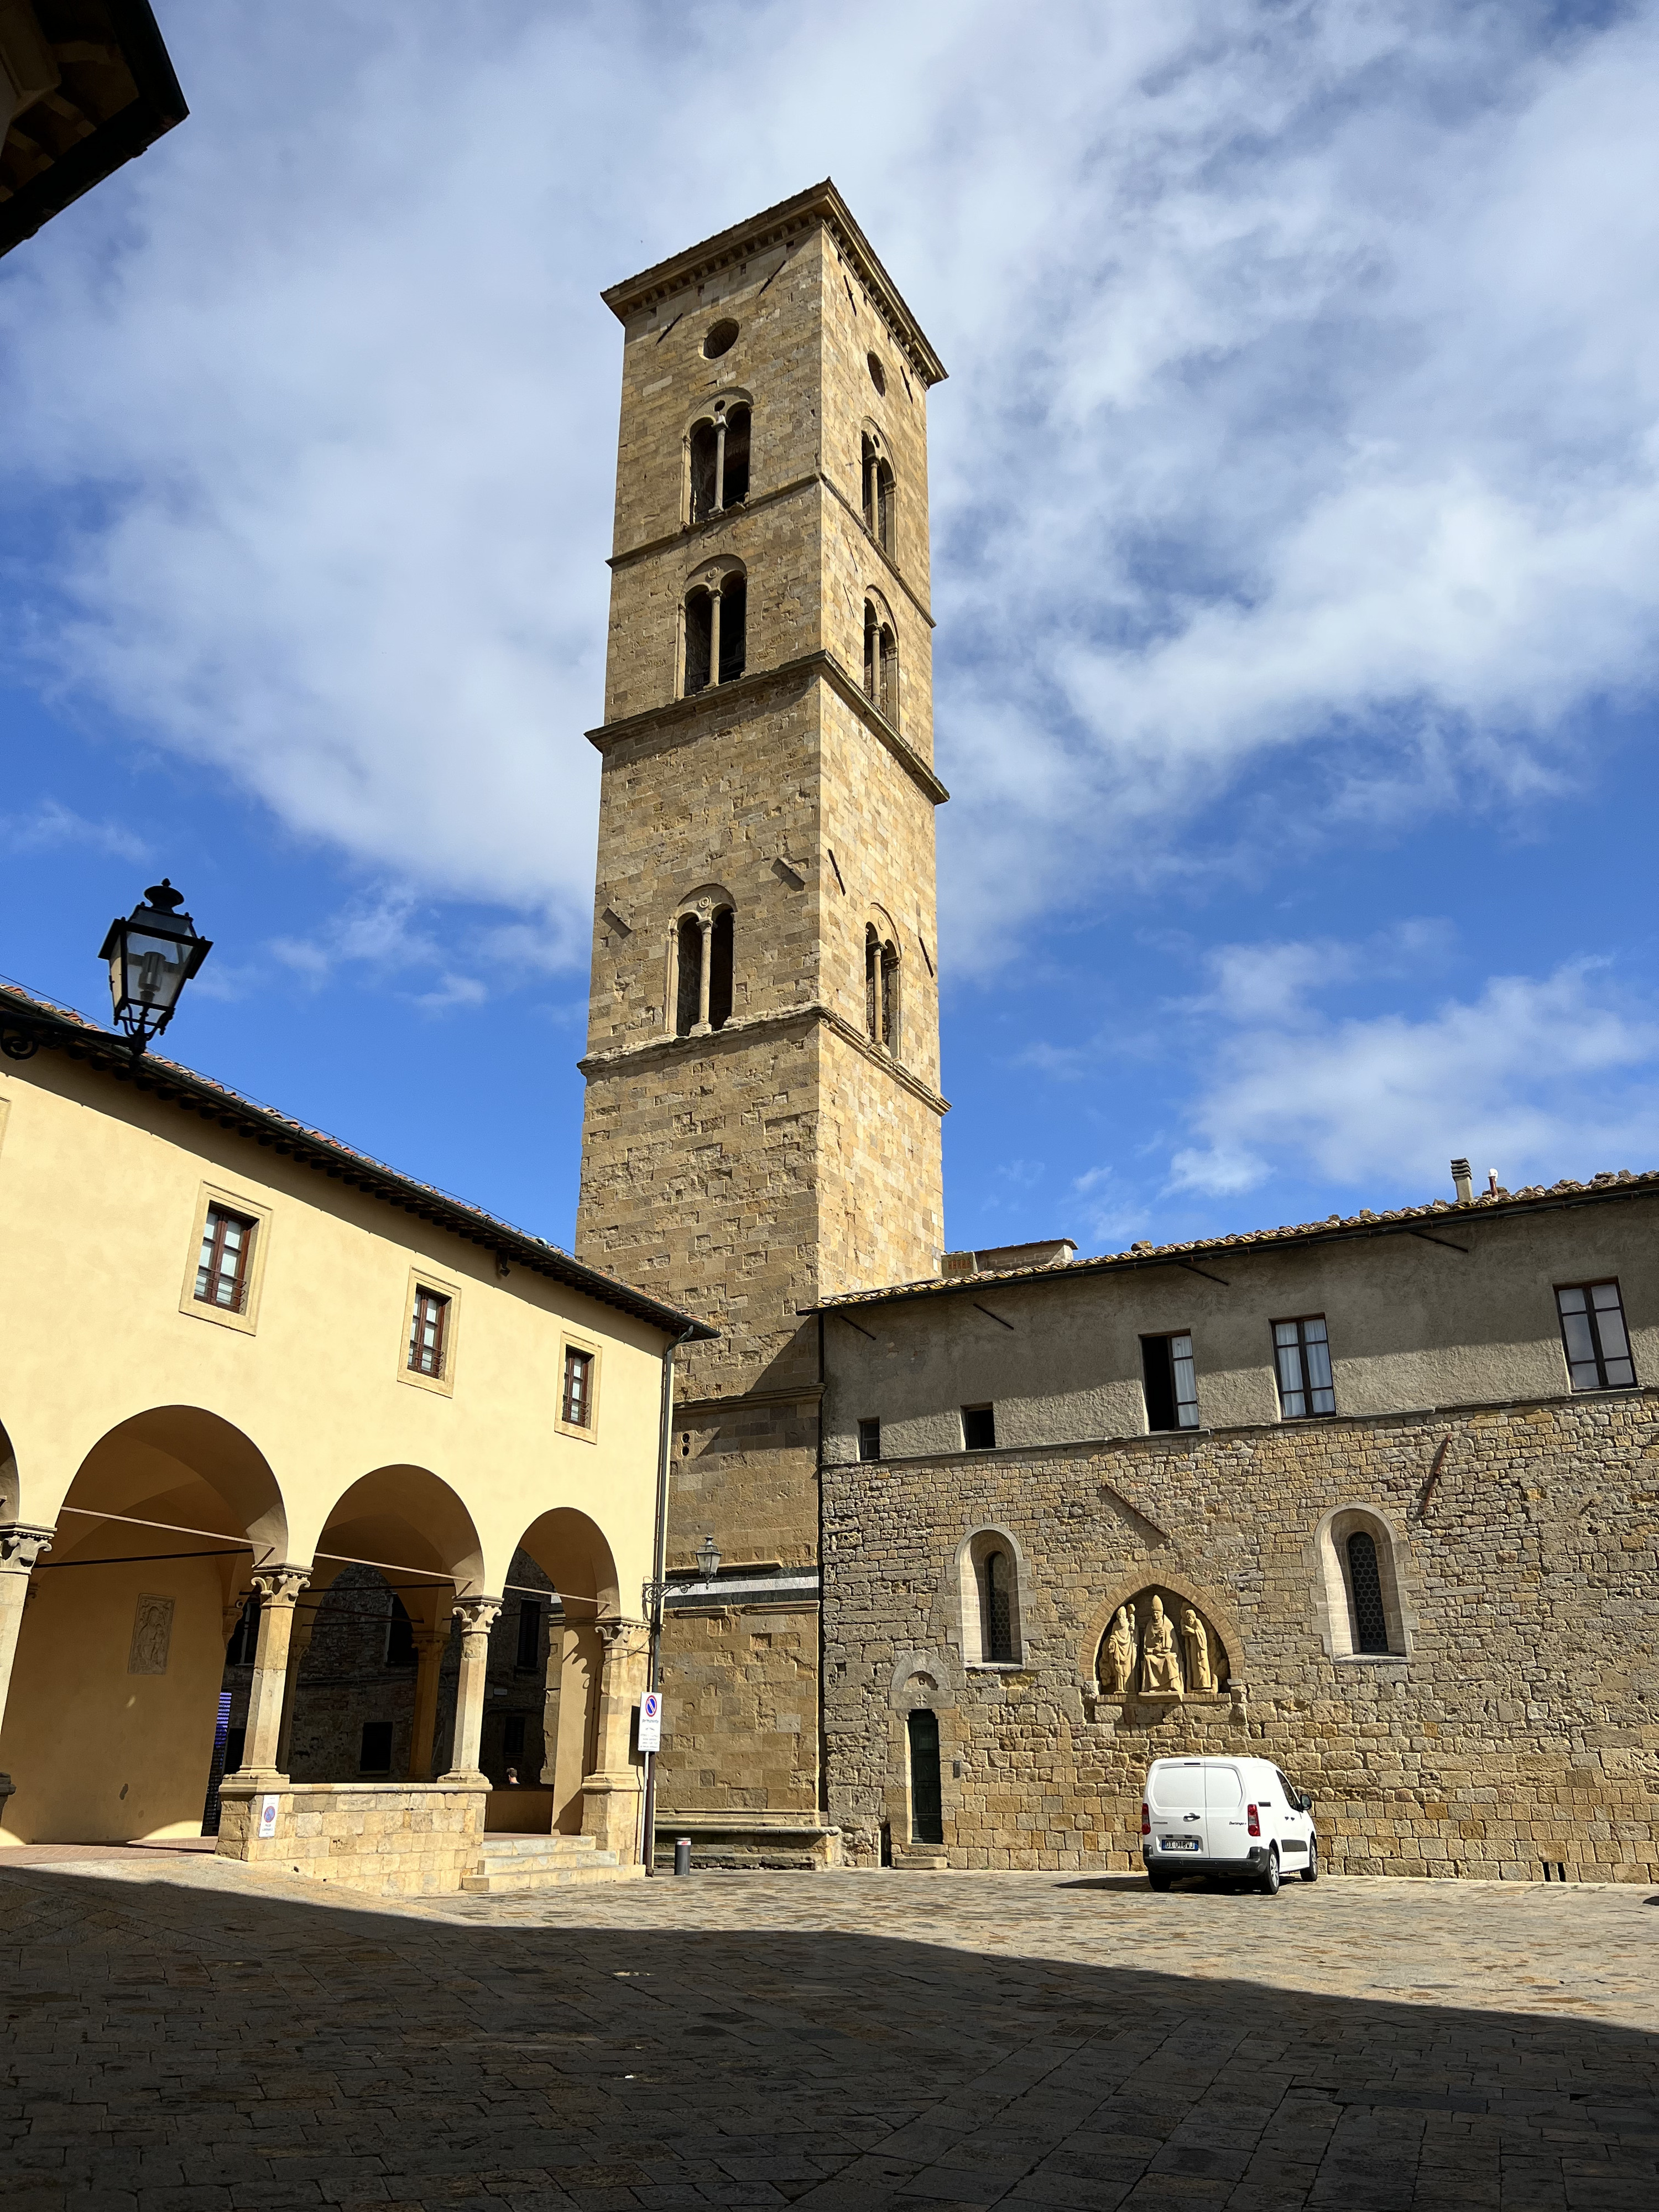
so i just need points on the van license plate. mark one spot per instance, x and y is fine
(1178, 1843)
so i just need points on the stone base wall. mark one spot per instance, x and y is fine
(1516, 1729)
(397, 1838)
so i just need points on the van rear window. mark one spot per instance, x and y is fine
(1178, 1789)
(1224, 1788)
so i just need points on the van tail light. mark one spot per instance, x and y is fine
(1254, 1820)
(1145, 1818)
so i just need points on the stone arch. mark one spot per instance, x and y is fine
(877, 484)
(1218, 1616)
(700, 983)
(1336, 1609)
(717, 473)
(971, 1590)
(881, 656)
(110, 1723)
(883, 980)
(594, 1672)
(713, 647)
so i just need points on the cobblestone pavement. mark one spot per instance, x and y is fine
(185, 2038)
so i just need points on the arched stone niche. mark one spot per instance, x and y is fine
(1160, 1645)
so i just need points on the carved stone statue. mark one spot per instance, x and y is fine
(1199, 1675)
(1117, 1659)
(1160, 1670)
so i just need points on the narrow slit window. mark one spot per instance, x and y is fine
(871, 655)
(529, 1656)
(1171, 1383)
(979, 1428)
(889, 996)
(721, 947)
(870, 1439)
(888, 700)
(734, 484)
(734, 625)
(399, 1633)
(1301, 1355)
(1371, 1621)
(704, 453)
(222, 1272)
(1596, 1340)
(427, 1330)
(688, 961)
(699, 640)
(998, 1612)
(578, 1388)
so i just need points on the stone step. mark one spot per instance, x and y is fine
(516, 1880)
(510, 1863)
(510, 1846)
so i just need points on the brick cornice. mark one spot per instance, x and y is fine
(684, 714)
(746, 1028)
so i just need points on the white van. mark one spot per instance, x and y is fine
(1235, 1818)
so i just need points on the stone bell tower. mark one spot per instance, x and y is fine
(762, 1110)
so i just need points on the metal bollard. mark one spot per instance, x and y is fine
(682, 1854)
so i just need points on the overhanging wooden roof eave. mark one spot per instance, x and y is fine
(40, 1024)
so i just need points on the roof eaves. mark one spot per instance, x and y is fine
(27, 1021)
(1336, 1229)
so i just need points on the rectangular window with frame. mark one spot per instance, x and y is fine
(399, 1633)
(578, 1388)
(222, 1272)
(529, 1656)
(979, 1428)
(869, 1440)
(427, 1331)
(1593, 1331)
(1171, 1383)
(1301, 1355)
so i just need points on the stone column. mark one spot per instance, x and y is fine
(299, 1636)
(21, 1546)
(611, 1794)
(552, 1691)
(430, 1646)
(714, 650)
(477, 1616)
(706, 924)
(279, 1589)
(719, 463)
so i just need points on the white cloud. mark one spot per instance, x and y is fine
(1303, 422)
(1537, 1077)
(49, 825)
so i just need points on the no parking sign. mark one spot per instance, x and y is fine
(651, 1720)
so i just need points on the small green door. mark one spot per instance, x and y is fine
(927, 1802)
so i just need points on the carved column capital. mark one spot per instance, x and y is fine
(280, 1586)
(477, 1614)
(22, 1543)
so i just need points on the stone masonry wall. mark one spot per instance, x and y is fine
(1520, 1728)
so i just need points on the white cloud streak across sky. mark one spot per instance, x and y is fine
(1304, 426)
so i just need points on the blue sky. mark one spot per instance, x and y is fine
(1296, 505)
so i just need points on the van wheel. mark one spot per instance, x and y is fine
(1310, 1872)
(1159, 1879)
(1268, 1882)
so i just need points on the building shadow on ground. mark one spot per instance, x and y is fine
(173, 2048)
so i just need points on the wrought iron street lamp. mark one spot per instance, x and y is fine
(708, 1558)
(152, 955)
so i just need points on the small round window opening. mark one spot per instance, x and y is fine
(722, 337)
(877, 374)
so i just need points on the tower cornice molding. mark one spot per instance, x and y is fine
(778, 226)
(689, 534)
(676, 713)
(746, 1028)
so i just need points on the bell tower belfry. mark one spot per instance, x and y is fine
(761, 1126)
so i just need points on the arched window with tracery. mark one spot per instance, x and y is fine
(719, 460)
(705, 943)
(1364, 1612)
(881, 669)
(991, 1628)
(716, 630)
(881, 988)
(880, 494)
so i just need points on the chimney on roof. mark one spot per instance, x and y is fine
(1463, 1183)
